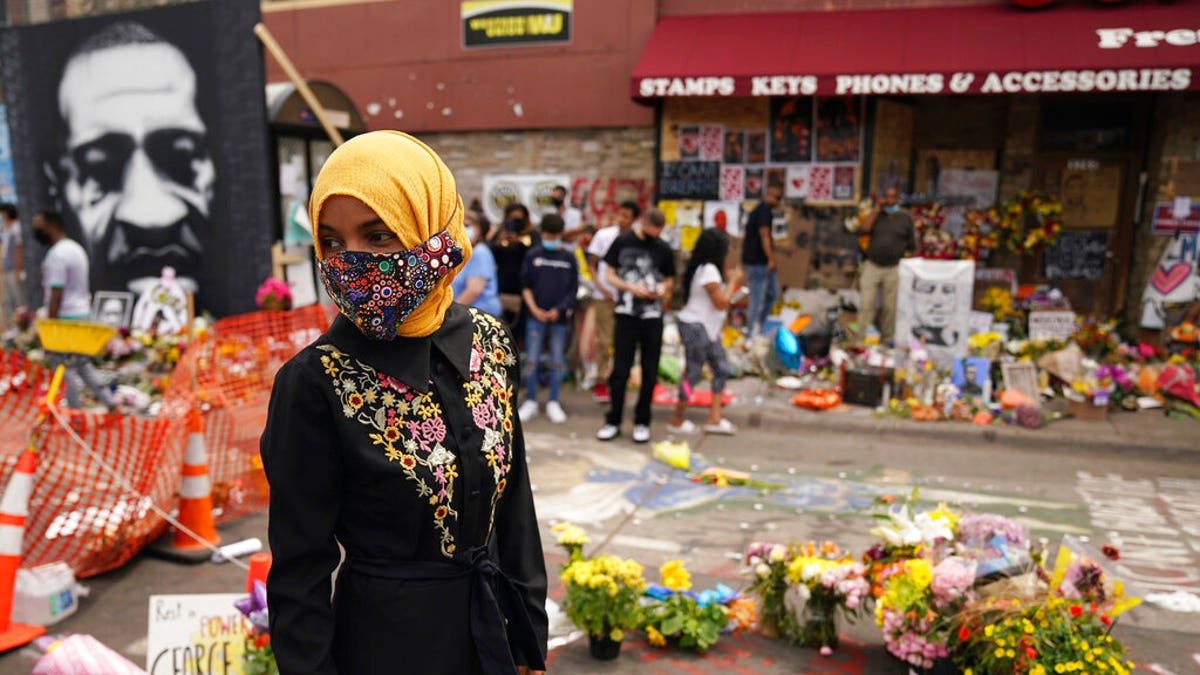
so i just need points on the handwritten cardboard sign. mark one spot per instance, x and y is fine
(196, 634)
(1052, 325)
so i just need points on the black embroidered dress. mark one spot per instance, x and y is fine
(409, 454)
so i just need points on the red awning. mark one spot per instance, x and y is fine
(1138, 46)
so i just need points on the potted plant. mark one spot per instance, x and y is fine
(681, 617)
(602, 600)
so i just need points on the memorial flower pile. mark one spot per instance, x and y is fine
(1028, 222)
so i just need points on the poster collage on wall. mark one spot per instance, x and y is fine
(811, 148)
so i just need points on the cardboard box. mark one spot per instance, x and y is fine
(1086, 410)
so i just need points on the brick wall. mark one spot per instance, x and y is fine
(606, 166)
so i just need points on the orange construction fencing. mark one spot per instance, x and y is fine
(82, 514)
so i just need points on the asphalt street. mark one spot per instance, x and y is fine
(1146, 500)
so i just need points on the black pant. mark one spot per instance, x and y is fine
(628, 334)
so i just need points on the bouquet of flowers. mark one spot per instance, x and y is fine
(934, 242)
(917, 603)
(768, 566)
(979, 236)
(1029, 221)
(1097, 339)
(825, 580)
(273, 294)
(692, 621)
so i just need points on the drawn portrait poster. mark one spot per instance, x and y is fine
(934, 306)
(791, 129)
(839, 129)
(178, 173)
(756, 146)
(735, 147)
(689, 142)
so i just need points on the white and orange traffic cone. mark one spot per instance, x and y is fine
(195, 502)
(13, 510)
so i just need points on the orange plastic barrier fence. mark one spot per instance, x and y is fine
(78, 513)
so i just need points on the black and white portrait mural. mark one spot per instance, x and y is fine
(148, 131)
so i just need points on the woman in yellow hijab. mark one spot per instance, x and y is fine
(394, 436)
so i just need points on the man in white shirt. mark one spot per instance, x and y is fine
(606, 295)
(67, 298)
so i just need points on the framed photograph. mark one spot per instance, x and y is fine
(970, 375)
(112, 308)
(1021, 377)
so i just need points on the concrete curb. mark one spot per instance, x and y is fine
(775, 416)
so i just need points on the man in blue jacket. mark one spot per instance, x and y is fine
(549, 284)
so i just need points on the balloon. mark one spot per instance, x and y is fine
(788, 349)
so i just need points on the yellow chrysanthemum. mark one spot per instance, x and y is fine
(675, 576)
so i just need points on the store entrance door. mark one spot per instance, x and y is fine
(1088, 153)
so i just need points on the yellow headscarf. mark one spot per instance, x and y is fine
(409, 187)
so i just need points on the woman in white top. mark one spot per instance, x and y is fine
(707, 292)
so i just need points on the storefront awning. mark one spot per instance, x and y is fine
(988, 49)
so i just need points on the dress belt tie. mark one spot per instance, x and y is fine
(495, 614)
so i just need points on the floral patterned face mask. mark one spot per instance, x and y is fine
(377, 291)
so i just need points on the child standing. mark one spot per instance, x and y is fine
(549, 283)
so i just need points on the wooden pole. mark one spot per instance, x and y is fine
(281, 57)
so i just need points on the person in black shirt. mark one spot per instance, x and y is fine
(394, 438)
(641, 267)
(758, 257)
(550, 281)
(512, 241)
(892, 235)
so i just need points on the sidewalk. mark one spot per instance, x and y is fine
(759, 404)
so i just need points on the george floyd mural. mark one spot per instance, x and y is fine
(147, 131)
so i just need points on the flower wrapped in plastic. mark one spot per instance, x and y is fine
(259, 657)
(825, 582)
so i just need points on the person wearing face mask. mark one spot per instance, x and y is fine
(476, 286)
(892, 235)
(550, 281)
(394, 437)
(512, 241)
(572, 217)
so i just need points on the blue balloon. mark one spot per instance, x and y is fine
(787, 347)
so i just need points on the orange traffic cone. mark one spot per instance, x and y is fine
(195, 501)
(13, 509)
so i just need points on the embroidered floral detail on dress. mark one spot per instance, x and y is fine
(409, 428)
(489, 395)
(404, 425)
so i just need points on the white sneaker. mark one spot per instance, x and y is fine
(608, 432)
(724, 427)
(555, 412)
(527, 411)
(688, 427)
(641, 433)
